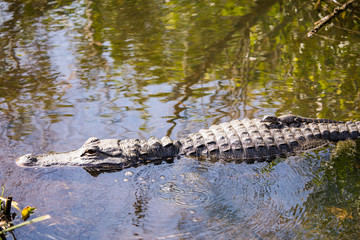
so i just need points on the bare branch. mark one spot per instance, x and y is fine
(328, 18)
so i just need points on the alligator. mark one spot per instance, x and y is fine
(246, 140)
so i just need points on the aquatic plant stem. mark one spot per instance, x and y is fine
(38, 219)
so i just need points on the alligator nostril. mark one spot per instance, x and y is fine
(33, 159)
(26, 160)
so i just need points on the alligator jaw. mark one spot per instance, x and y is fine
(63, 159)
(71, 159)
(94, 152)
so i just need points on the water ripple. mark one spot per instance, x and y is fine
(185, 195)
(264, 200)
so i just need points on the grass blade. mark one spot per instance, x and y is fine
(38, 219)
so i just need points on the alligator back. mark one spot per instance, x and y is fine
(253, 140)
(290, 118)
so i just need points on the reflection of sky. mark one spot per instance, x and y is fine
(4, 14)
(63, 36)
(61, 56)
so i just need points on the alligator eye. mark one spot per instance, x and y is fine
(89, 152)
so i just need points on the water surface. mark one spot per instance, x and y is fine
(70, 70)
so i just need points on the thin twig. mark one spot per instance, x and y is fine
(327, 38)
(328, 18)
(346, 29)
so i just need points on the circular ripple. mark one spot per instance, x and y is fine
(257, 197)
(248, 200)
(184, 195)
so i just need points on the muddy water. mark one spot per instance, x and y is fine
(70, 70)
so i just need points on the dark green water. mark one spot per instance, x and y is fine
(70, 70)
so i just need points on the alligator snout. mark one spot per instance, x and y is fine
(27, 160)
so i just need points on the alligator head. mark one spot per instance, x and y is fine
(94, 152)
